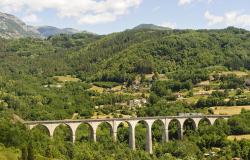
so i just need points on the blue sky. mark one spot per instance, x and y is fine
(106, 16)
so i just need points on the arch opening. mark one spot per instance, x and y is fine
(219, 121)
(141, 134)
(84, 133)
(41, 129)
(189, 127)
(104, 132)
(222, 124)
(41, 138)
(204, 122)
(158, 131)
(63, 132)
(123, 132)
(174, 129)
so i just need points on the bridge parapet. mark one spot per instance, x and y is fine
(124, 119)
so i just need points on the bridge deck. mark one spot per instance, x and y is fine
(125, 119)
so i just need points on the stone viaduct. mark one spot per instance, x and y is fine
(132, 122)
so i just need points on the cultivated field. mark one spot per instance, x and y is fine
(230, 110)
(67, 78)
(238, 73)
(97, 89)
(239, 137)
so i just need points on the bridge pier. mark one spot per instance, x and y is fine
(132, 125)
(132, 138)
(165, 137)
(114, 135)
(73, 127)
(149, 146)
(93, 136)
(94, 126)
(181, 131)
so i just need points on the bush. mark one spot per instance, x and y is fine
(106, 84)
(239, 124)
(163, 88)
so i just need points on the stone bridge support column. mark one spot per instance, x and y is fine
(132, 125)
(149, 144)
(114, 130)
(181, 132)
(94, 126)
(73, 128)
(114, 135)
(166, 131)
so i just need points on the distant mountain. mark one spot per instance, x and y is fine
(150, 26)
(12, 27)
(47, 31)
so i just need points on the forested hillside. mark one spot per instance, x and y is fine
(29, 64)
(135, 51)
(138, 72)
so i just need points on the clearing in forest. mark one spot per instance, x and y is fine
(237, 73)
(67, 78)
(229, 110)
(239, 137)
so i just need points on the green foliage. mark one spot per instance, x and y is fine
(195, 76)
(162, 108)
(12, 134)
(162, 88)
(106, 84)
(214, 136)
(240, 124)
(180, 149)
(231, 82)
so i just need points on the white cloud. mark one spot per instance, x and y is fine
(157, 8)
(31, 18)
(212, 19)
(232, 18)
(169, 25)
(100, 18)
(185, 2)
(85, 11)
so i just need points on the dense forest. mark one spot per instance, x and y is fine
(77, 76)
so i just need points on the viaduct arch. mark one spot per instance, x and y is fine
(132, 122)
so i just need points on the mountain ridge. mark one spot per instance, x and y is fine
(151, 26)
(13, 27)
(47, 31)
